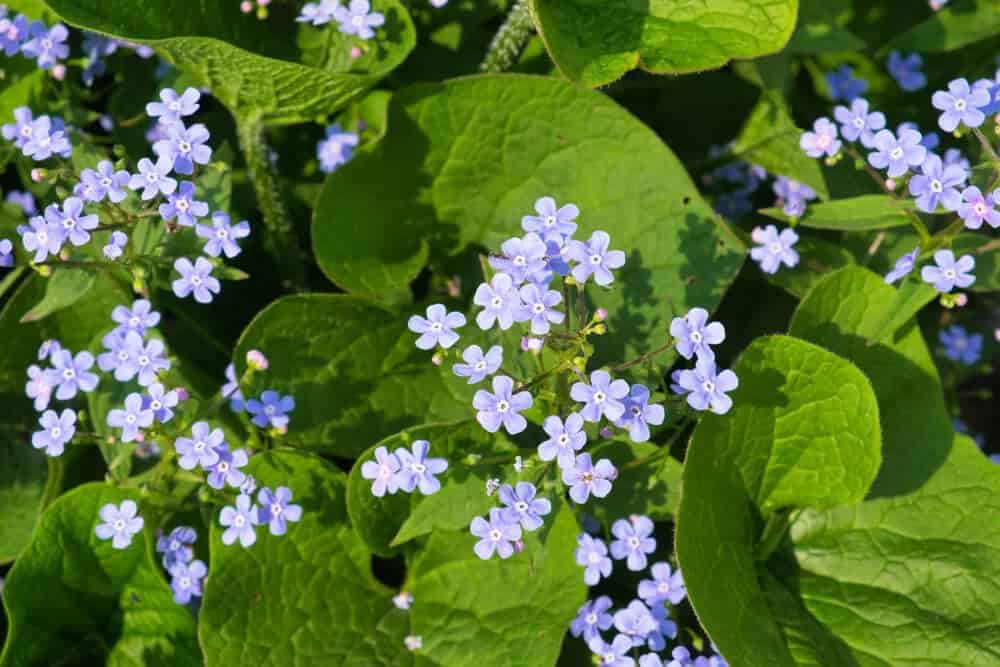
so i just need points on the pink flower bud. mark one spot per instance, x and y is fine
(454, 284)
(437, 359)
(996, 335)
(256, 360)
(355, 53)
(246, 6)
(961, 299)
(531, 344)
(140, 437)
(890, 184)
(601, 314)
(757, 235)
(182, 394)
(518, 546)
(263, 3)
(59, 72)
(606, 432)
(38, 174)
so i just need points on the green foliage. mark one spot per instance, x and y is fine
(951, 28)
(853, 214)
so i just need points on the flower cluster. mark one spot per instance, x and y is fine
(357, 18)
(404, 470)
(34, 40)
(186, 573)
(38, 138)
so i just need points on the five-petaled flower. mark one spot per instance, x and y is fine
(121, 523)
(948, 273)
(634, 541)
(495, 536)
(416, 471)
(437, 328)
(502, 407)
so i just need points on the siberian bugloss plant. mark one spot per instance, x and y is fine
(500, 332)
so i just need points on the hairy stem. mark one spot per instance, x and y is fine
(509, 40)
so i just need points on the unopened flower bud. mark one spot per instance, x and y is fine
(403, 601)
(38, 174)
(59, 72)
(890, 184)
(455, 283)
(518, 546)
(491, 486)
(355, 53)
(437, 359)
(531, 344)
(600, 329)
(606, 432)
(256, 360)
(182, 394)
(601, 314)
(248, 486)
(246, 6)
(961, 299)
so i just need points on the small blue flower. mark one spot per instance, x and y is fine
(186, 580)
(21, 129)
(539, 308)
(152, 179)
(906, 70)
(231, 390)
(95, 186)
(667, 626)
(949, 273)
(146, 359)
(614, 654)
(132, 418)
(96, 48)
(635, 621)
(634, 541)
(72, 374)
(25, 200)
(121, 523)
(639, 414)
(318, 13)
(202, 449)
(897, 155)
(822, 140)
(501, 302)
(437, 328)
(6, 253)
(522, 505)
(46, 44)
(592, 554)
(138, 318)
(57, 431)
(417, 471)
(592, 619)
(276, 509)
(227, 470)
(960, 345)
(650, 660)
(195, 278)
(793, 195)
(496, 536)
(184, 147)
(666, 585)
(602, 397)
(358, 19)
(707, 388)
(904, 266)
(176, 547)
(183, 206)
(75, 225)
(774, 249)
(954, 156)
(478, 365)
(336, 149)
(13, 33)
(977, 208)
(938, 184)
(552, 223)
(116, 245)
(117, 356)
(858, 123)
(502, 407)
(382, 472)
(39, 386)
(48, 348)
(271, 410)
(172, 107)
(42, 238)
(223, 236)
(565, 439)
(48, 138)
(521, 258)
(843, 85)
(695, 334)
(595, 259)
(239, 522)
(929, 140)
(161, 402)
(960, 104)
(586, 478)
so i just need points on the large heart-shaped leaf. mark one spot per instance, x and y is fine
(597, 41)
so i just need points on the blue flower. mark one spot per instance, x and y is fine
(707, 388)
(929, 140)
(25, 200)
(132, 418)
(116, 245)
(160, 401)
(592, 554)
(992, 88)
(57, 431)
(176, 547)
(72, 373)
(145, 360)
(382, 472)
(906, 70)
(48, 138)
(21, 129)
(949, 273)
(614, 654)
(202, 449)
(635, 621)
(152, 179)
(239, 522)
(138, 318)
(39, 386)
(227, 470)
(592, 618)
(586, 479)
(186, 580)
(196, 278)
(938, 184)
(522, 505)
(355, 19)
(223, 236)
(793, 195)
(120, 523)
(42, 238)
(960, 345)
(954, 156)
(858, 123)
(75, 225)
(665, 585)
(437, 328)
(602, 397)
(46, 44)
(551, 223)
(417, 471)
(48, 349)
(521, 258)
(539, 308)
(843, 85)
(95, 49)
(822, 140)
(501, 408)
(318, 13)
(6, 253)
(501, 302)
(496, 536)
(231, 390)
(94, 186)
(774, 249)
(276, 509)
(172, 107)
(904, 266)
(667, 626)
(977, 208)
(695, 335)
(13, 32)
(633, 542)
(960, 104)
(639, 414)
(336, 149)
(681, 658)
(117, 356)
(595, 259)
(565, 439)
(897, 155)
(183, 206)
(477, 365)
(271, 410)
(650, 660)
(184, 147)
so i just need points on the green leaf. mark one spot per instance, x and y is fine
(818, 258)
(648, 482)
(852, 215)
(444, 176)
(72, 594)
(951, 28)
(911, 297)
(23, 471)
(249, 66)
(595, 42)
(308, 595)
(821, 28)
(353, 370)
(770, 138)
(62, 290)
(986, 251)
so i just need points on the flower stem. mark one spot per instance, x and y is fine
(915, 221)
(509, 40)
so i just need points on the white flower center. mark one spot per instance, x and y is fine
(269, 410)
(106, 182)
(119, 525)
(960, 105)
(418, 468)
(539, 308)
(184, 146)
(636, 411)
(182, 204)
(708, 386)
(859, 123)
(496, 535)
(896, 153)
(695, 336)
(436, 327)
(503, 406)
(823, 141)
(43, 237)
(358, 21)
(174, 545)
(980, 208)
(222, 234)
(196, 281)
(496, 302)
(223, 466)
(776, 247)
(563, 439)
(155, 405)
(239, 520)
(199, 446)
(519, 260)
(633, 542)
(950, 274)
(185, 582)
(521, 506)
(122, 355)
(129, 419)
(593, 558)
(276, 509)
(144, 360)
(481, 366)
(47, 44)
(936, 185)
(595, 259)
(599, 396)
(550, 221)
(591, 618)
(663, 587)
(56, 432)
(151, 177)
(69, 223)
(69, 373)
(134, 322)
(174, 106)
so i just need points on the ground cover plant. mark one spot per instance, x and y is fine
(499, 333)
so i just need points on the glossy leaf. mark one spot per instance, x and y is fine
(821, 28)
(62, 290)
(951, 28)
(854, 214)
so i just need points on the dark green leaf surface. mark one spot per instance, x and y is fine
(62, 290)
(951, 28)
(821, 28)
(852, 215)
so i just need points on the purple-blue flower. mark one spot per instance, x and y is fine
(6, 253)
(116, 245)
(960, 104)
(25, 200)
(539, 307)
(184, 147)
(822, 140)
(186, 580)
(120, 523)
(552, 223)
(48, 138)
(906, 70)
(239, 522)
(276, 509)
(565, 439)
(502, 407)
(152, 178)
(21, 129)
(146, 358)
(48, 348)
(695, 334)
(75, 224)
(639, 414)
(195, 278)
(39, 386)
(774, 249)
(954, 156)
(977, 208)
(496, 536)
(57, 431)
(666, 585)
(382, 472)
(42, 238)
(586, 478)
(201, 449)
(602, 397)
(172, 107)
(592, 554)
(500, 300)
(521, 258)
(960, 345)
(437, 328)
(417, 471)
(793, 194)
(614, 654)
(662, 616)
(938, 184)
(843, 85)
(522, 506)
(335, 149)
(271, 410)
(13, 32)
(903, 267)
(706, 388)
(95, 49)
(897, 155)
(595, 259)
(72, 373)
(358, 19)
(132, 418)
(176, 547)
(318, 13)
(94, 186)
(46, 44)
(138, 318)
(227, 470)
(635, 621)
(857, 122)
(478, 365)
(949, 272)
(223, 236)
(592, 618)
(183, 206)
(117, 355)
(634, 541)
(161, 402)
